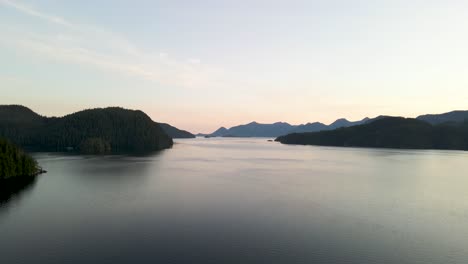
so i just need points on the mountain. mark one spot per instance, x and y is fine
(255, 129)
(100, 130)
(309, 127)
(388, 132)
(18, 114)
(174, 132)
(454, 116)
(342, 122)
(219, 132)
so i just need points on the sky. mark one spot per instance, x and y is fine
(199, 65)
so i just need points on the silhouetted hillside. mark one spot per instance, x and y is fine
(309, 127)
(100, 130)
(255, 129)
(388, 132)
(18, 114)
(15, 163)
(20, 124)
(343, 122)
(219, 132)
(454, 116)
(174, 132)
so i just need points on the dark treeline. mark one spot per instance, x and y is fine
(14, 162)
(174, 132)
(101, 130)
(390, 132)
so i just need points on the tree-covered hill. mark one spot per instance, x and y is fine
(100, 130)
(20, 124)
(389, 132)
(19, 114)
(14, 162)
(458, 116)
(174, 132)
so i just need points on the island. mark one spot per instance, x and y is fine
(111, 130)
(15, 163)
(389, 132)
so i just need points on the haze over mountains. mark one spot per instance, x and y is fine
(277, 129)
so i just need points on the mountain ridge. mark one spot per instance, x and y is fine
(456, 116)
(93, 131)
(255, 129)
(174, 132)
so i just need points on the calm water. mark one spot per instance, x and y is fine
(242, 201)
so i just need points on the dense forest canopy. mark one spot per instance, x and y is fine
(14, 162)
(174, 132)
(389, 132)
(106, 130)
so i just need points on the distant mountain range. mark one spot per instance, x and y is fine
(277, 129)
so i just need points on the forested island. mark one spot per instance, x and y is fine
(15, 163)
(92, 131)
(174, 132)
(389, 132)
(18, 170)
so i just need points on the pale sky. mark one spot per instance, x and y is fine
(200, 65)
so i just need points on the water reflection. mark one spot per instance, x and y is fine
(117, 171)
(14, 189)
(243, 201)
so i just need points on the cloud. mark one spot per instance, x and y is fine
(90, 45)
(32, 12)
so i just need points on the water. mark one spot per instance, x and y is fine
(242, 201)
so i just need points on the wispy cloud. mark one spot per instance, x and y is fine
(94, 46)
(32, 12)
(11, 79)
